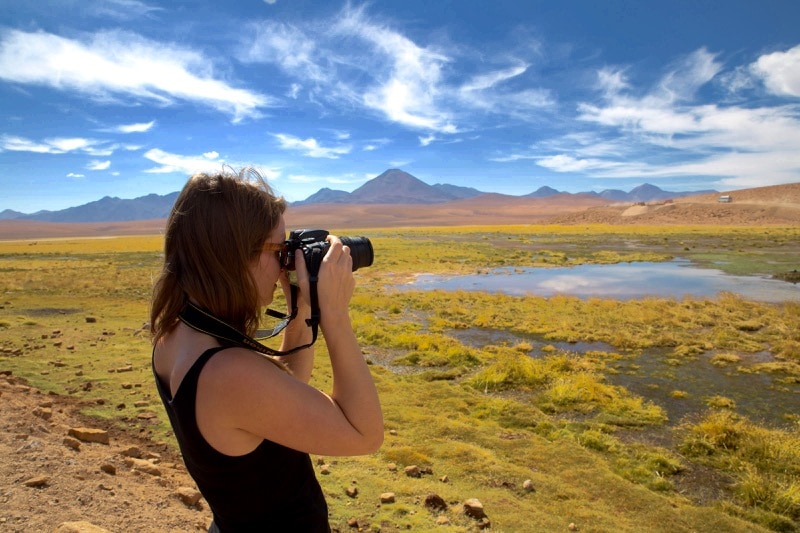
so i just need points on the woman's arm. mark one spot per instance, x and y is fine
(242, 399)
(298, 333)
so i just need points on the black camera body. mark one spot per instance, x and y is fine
(314, 246)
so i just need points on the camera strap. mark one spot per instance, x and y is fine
(205, 322)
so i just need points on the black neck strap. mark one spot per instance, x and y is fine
(205, 322)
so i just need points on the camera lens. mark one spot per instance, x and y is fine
(360, 251)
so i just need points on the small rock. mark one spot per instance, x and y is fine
(37, 481)
(325, 470)
(351, 491)
(69, 442)
(444, 479)
(435, 502)
(133, 451)
(188, 496)
(474, 509)
(412, 471)
(484, 523)
(572, 526)
(89, 435)
(442, 521)
(108, 468)
(45, 413)
(392, 467)
(387, 497)
(140, 465)
(527, 485)
(353, 522)
(79, 527)
(91, 320)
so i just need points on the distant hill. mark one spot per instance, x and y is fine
(393, 186)
(543, 192)
(108, 209)
(642, 193)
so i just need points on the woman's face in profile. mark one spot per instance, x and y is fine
(267, 269)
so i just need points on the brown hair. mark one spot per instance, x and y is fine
(215, 231)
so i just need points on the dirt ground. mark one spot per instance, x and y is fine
(52, 480)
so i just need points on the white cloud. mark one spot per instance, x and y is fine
(354, 60)
(213, 155)
(120, 9)
(98, 165)
(408, 87)
(75, 175)
(169, 163)
(310, 147)
(288, 46)
(426, 140)
(668, 131)
(122, 64)
(780, 71)
(134, 128)
(688, 75)
(56, 145)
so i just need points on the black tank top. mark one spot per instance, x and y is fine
(272, 488)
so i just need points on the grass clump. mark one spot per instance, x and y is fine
(764, 463)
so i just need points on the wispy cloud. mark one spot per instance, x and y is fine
(192, 164)
(117, 64)
(310, 147)
(667, 131)
(356, 60)
(98, 165)
(133, 128)
(121, 9)
(56, 145)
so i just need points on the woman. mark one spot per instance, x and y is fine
(245, 422)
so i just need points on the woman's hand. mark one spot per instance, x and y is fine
(301, 273)
(298, 333)
(336, 282)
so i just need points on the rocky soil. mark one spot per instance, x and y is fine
(62, 472)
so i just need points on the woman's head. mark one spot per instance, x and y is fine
(215, 235)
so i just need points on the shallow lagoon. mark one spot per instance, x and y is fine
(647, 373)
(621, 281)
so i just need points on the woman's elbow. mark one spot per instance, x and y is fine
(370, 443)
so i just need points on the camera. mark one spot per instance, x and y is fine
(314, 246)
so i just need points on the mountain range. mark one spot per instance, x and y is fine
(392, 187)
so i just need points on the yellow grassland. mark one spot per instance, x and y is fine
(486, 417)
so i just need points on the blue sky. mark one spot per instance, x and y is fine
(128, 97)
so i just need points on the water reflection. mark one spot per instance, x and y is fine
(621, 281)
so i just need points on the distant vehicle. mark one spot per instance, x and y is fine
(725, 199)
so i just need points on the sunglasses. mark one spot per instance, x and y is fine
(280, 250)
